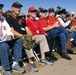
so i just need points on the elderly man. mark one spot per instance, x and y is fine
(7, 41)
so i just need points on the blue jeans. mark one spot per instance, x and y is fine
(4, 52)
(63, 34)
(74, 35)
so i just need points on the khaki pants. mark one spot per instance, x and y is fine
(41, 39)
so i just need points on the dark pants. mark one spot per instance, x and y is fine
(50, 41)
(63, 34)
(4, 52)
(74, 35)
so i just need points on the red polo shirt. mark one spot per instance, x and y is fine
(74, 23)
(34, 26)
(52, 20)
(43, 22)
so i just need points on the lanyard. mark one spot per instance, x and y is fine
(33, 23)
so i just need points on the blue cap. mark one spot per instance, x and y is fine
(59, 7)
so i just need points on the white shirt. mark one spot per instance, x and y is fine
(6, 31)
(64, 24)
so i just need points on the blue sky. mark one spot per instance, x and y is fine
(70, 5)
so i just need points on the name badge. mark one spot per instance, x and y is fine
(37, 31)
(23, 29)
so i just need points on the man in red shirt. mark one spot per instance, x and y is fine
(38, 34)
(53, 27)
(74, 29)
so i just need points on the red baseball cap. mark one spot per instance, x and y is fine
(32, 9)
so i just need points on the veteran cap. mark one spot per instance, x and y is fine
(1, 6)
(51, 10)
(32, 9)
(16, 4)
(42, 9)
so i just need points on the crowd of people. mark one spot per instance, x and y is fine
(42, 24)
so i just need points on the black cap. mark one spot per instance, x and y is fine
(1, 6)
(50, 10)
(16, 4)
(63, 11)
(42, 9)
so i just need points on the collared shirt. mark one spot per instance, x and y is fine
(5, 30)
(52, 20)
(16, 24)
(34, 26)
(74, 23)
(43, 22)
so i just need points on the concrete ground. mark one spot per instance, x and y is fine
(60, 67)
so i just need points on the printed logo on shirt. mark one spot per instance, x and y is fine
(4, 28)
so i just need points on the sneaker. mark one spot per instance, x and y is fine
(32, 66)
(46, 62)
(64, 55)
(17, 68)
(7, 72)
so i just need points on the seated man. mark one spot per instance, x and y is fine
(38, 34)
(73, 28)
(66, 19)
(7, 41)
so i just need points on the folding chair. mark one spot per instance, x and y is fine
(57, 45)
(50, 55)
(36, 52)
(33, 51)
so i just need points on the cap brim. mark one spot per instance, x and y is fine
(43, 10)
(17, 6)
(51, 11)
(59, 8)
(34, 11)
(62, 12)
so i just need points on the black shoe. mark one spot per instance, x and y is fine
(50, 59)
(64, 55)
(52, 56)
(74, 43)
(70, 51)
(55, 59)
